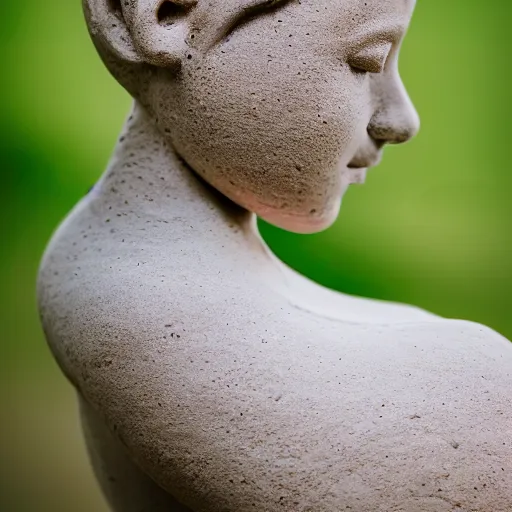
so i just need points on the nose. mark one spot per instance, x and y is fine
(395, 119)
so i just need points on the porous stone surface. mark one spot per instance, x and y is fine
(280, 105)
(211, 377)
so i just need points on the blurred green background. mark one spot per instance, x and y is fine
(431, 227)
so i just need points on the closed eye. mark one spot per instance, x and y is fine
(370, 59)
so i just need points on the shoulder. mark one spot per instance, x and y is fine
(456, 335)
(225, 414)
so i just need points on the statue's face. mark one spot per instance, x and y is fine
(291, 106)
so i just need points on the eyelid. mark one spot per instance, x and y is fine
(371, 58)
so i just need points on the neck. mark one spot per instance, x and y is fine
(146, 171)
(146, 174)
(158, 201)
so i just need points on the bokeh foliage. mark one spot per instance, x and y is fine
(431, 227)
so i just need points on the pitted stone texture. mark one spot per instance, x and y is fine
(279, 105)
(237, 385)
(213, 378)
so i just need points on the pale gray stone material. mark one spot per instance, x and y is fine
(212, 377)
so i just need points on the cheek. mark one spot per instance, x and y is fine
(274, 137)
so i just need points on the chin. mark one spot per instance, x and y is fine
(308, 220)
(305, 224)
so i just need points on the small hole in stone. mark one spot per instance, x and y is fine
(169, 12)
(114, 6)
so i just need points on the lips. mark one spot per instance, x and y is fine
(360, 163)
(357, 175)
(365, 158)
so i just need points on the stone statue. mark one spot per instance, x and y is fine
(211, 377)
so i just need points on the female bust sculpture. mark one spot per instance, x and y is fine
(211, 377)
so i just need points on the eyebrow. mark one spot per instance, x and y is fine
(251, 10)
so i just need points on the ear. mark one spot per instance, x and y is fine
(108, 28)
(141, 31)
